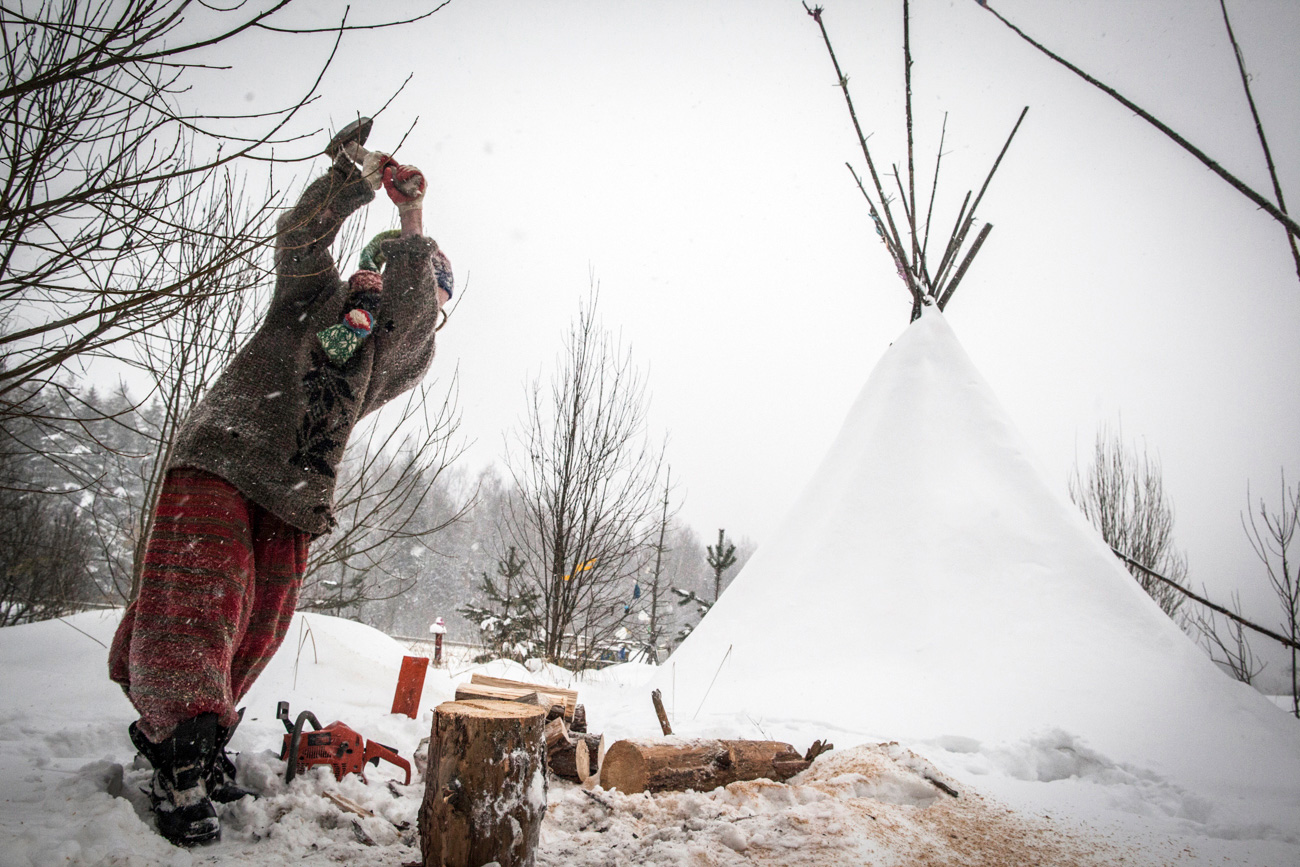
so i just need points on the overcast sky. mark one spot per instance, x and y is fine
(690, 155)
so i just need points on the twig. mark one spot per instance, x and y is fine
(85, 633)
(1268, 207)
(961, 270)
(843, 81)
(725, 656)
(911, 165)
(1207, 603)
(1259, 128)
(598, 799)
(970, 217)
(941, 785)
(934, 188)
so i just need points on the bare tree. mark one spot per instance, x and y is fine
(1122, 493)
(1230, 648)
(44, 551)
(389, 481)
(1271, 534)
(587, 476)
(653, 611)
(99, 159)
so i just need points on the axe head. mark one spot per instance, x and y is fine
(357, 131)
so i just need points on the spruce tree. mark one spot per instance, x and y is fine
(721, 558)
(508, 620)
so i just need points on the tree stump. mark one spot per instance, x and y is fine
(485, 790)
(677, 764)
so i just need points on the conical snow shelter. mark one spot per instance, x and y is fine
(928, 584)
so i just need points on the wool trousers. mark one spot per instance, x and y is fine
(217, 594)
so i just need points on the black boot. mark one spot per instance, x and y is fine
(221, 774)
(179, 792)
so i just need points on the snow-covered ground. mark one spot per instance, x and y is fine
(69, 790)
(931, 608)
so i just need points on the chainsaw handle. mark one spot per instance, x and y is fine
(376, 751)
(295, 738)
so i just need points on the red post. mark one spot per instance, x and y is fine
(410, 686)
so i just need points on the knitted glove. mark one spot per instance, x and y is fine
(340, 341)
(405, 186)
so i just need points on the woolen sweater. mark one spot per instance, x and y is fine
(276, 422)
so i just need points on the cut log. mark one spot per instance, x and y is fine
(485, 793)
(579, 721)
(568, 697)
(562, 755)
(677, 764)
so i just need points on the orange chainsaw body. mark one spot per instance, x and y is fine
(337, 745)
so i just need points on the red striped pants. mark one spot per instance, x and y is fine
(218, 591)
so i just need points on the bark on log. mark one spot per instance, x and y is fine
(485, 794)
(677, 764)
(568, 697)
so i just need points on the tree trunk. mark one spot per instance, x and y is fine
(485, 793)
(677, 764)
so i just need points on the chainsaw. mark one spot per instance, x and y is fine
(336, 745)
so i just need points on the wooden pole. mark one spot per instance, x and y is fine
(658, 699)
(485, 792)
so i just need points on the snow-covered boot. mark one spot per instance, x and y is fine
(182, 809)
(222, 787)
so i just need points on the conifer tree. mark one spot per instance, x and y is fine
(721, 558)
(509, 619)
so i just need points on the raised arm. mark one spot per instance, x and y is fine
(417, 283)
(303, 261)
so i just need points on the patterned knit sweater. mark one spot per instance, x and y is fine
(275, 423)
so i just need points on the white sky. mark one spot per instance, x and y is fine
(691, 155)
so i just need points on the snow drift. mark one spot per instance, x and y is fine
(929, 585)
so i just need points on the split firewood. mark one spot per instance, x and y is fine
(556, 733)
(567, 697)
(677, 764)
(582, 760)
(579, 721)
(347, 804)
(658, 699)
(523, 695)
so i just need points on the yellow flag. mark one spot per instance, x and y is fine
(585, 567)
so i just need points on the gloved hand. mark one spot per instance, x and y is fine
(373, 166)
(405, 186)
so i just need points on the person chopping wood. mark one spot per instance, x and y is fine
(250, 480)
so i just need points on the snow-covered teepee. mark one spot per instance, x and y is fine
(929, 584)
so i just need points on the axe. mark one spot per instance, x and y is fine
(350, 141)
